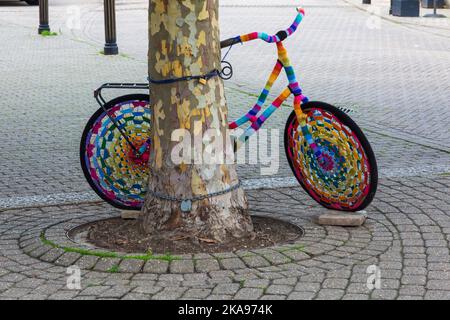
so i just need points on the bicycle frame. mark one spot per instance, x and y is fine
(293, 87)
(283, 62)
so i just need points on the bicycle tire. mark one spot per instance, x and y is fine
(106, 158)
(332, 182)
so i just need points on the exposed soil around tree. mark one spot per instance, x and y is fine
(121, 235)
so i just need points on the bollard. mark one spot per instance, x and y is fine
(367, 1)
(405, 8)
(43, 16)
(110, 28)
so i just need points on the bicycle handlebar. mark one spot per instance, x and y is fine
(278, 37)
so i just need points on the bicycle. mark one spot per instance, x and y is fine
(327, 152)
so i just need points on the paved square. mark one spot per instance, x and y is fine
(393, 76)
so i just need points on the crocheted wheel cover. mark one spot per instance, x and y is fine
(115, 170)
(341, 178)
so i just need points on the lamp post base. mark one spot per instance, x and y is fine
(111, 49)
(432, 15)
(43, 27)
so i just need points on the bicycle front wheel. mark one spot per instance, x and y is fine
(109, 163)
(346, 176)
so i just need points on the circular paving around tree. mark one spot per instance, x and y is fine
(321, 248)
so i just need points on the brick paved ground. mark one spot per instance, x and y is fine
(357, 72)
(407, 236)
(380, 8)
(395, 79)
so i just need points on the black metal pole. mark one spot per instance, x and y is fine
(43, 16)
(367, 1)
(434, 14)
(110, 28)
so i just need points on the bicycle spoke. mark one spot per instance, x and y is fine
(116, 153)
(330, 161)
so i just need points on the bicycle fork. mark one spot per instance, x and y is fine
(299, 99)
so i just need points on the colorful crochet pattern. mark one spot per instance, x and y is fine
(118, 175)
(340, 177)
(293, 87)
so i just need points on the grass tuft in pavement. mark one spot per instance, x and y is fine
(106, 254)
(114, 269)
(49, 33)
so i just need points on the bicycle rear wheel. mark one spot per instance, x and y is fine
(108, 161)
(346, 178)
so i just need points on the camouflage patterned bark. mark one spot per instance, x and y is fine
(184, 40)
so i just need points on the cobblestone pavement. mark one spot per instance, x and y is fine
(380, 8)
(406, 236)
(43, 126)
(394, 78)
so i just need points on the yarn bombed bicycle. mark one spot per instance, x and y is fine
(327, 152)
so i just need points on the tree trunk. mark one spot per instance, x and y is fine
(184, 41)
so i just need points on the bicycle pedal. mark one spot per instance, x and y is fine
(202, 81)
